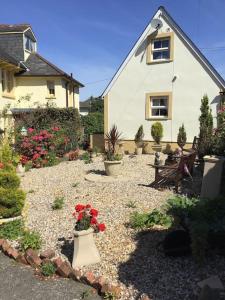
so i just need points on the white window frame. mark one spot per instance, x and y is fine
(30, 42)
(159, 106)
(163, 49)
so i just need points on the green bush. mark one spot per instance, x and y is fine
(44, 118)
(11, 230)
(86, 158)
(139, 136)
(11, 202)
(157, 132)
(181, 137)
(58, 203)
(147, 220)
(93, 123)
(9, 180)
(30, 239)
(48, 269)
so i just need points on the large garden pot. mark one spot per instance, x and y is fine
(112, 168)
(20, 169)
(212, 177)
(157, 147)
(85, 251)
(139, 150)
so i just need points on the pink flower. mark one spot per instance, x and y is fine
(55, 128)
(36, 156)
(30, 130)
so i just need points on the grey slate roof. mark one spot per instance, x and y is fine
(14, 27)
(39, 66)
(7, 58)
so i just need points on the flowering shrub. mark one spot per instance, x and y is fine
(86, 217)
(41, 147)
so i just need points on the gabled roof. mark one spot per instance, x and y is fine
(9, 59)
(14, 27)
(39, 66)
(180, 33)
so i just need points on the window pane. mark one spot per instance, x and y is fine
(155, 112)
(156, 102)
(157, 44)
(163, 102)
(165, 54)
(157, 55)
(165, 43)
(163, 112)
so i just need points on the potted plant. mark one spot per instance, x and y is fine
(139, 140)
(157, 134)
(112, 159)
(85, 250)
(181, 137)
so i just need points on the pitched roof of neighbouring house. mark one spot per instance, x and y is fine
(14, 27)
(39, 66)
(9, 59)
(187, 41)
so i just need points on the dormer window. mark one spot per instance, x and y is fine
(29, 44)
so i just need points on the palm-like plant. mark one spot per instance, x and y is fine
(112, 138)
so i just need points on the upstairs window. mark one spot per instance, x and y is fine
(7, 83)
(29, 44)
(51, 89)
(161, 49)
(159, 106)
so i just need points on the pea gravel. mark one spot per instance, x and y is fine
(134, 259)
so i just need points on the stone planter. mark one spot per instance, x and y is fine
(157, 147)
(112, 168)
(212, 177)
(139, 150)
(85, 251)
(20, 169)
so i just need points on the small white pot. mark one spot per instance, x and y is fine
(112, 168)
(20, 169)
(139, 150)
(85, 251)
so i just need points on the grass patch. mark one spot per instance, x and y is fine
(48, 269)
(12, 230)
(75, 184)
(31, 191)
(58, 203)
(30, 239)
(131, 204)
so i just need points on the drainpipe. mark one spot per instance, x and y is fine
(71, 75)
(67, 93)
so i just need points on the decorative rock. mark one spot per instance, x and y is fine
(110, 288)
(58, 261)
(64, 269)
(32, 258)
(46, 261)
(21, 259)
(49, 253)
(99, 282)
(1, 242)
(5, 246)
(75, 275)
(213, 282)
(89, 278)
(11, 252)
(144, 297)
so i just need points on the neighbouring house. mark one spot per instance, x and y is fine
(163, 78)
(85, 107)
(26, 75)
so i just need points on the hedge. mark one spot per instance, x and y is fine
(11, 202)
(45, 118)
(9, 180)
(93, 123)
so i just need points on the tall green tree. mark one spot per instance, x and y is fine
(206, 128)
(181, 137)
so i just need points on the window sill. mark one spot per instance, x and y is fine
(50, 97)
(8, 96)
(159, 61)
(158, 119)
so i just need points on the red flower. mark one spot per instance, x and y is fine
(55, 128)
(30, 130)
(80, 216)
(79, 207)
(94, 212)
(36, 156)
(101, 227)
(94, 221)
(1, 165)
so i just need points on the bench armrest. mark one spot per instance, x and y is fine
(164, 167)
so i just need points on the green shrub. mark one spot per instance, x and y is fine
(93, 123)
(48, 269)
(147, 220)
(12, 230)
(30, 239)
(181, 137)
(11, 202)
(58, 203)
(139, 136)
(9, 180)
(157, 132)
(86, 158)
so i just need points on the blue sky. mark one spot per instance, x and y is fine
(90, 38)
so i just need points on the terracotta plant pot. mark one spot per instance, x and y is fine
(157, 147)
(85, 251)
(139, 150)
(112, 168)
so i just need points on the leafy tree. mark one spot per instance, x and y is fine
(181, 137)
(206, 128)
(93, 123)
(96, 104)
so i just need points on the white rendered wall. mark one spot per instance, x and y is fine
(127, 95)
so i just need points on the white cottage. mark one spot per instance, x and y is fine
(163, 78)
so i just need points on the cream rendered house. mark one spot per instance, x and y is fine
(163, 78)
(26, 74)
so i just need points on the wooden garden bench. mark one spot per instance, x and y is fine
(174, 173)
